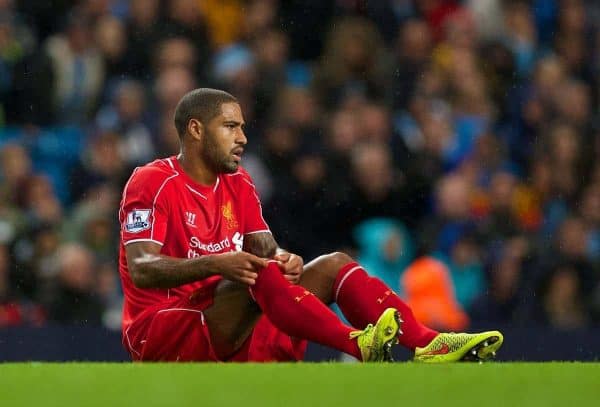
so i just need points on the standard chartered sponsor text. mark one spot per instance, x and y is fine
(198, 248)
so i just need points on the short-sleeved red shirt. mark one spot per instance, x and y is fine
(162, 204)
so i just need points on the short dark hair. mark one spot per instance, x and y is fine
(202, 104)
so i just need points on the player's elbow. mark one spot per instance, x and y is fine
(142, 268)
(139, 277)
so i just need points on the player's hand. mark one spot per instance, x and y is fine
(292, 266)
(242, 267)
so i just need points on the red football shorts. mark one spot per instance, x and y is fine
(177, 331)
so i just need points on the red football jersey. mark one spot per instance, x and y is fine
(162, 204)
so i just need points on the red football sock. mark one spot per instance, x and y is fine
(362, 299)
(299, 313)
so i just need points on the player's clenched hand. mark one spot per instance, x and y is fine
(291, 264)
(239, 266)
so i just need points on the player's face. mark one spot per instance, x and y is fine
(224, 139)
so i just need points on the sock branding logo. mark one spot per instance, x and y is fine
(301, 297)
(384, 297)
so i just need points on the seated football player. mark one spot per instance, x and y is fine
(204, 278)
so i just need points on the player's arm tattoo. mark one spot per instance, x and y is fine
(149, 269)
(261, 244)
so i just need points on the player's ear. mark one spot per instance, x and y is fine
(195, 129)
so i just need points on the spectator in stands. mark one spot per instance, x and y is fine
(571, 40)
(342, 134)
(565, 153)
(34, 253)
(169, 87)
(91, 221)
(110, 37)
(78, 70)
(175, 52)
(520, 35)
(184, 19)
(303, 199)
(126, 116)
(234, 69)
(572, 240)
(225, 20)
(143, 32)
(501, 222)
(38, 200)
(108, 290)
(15, 168)
(375, 191)
(463, 260)
(298, 106)
(428, 289)
(412, 52)
(563, 299)
(572, 103)
(271, 49)
(353, 62)
(281, 143)
(13, 310)
(101, 162)
(451, 212)
(11, 53)
(505, 300)
(375, 123)
(76, 301)
(385, 249)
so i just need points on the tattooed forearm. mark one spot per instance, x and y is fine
(149, 269)
(260, 244)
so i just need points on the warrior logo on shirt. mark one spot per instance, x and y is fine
(190, 219)
(229, 216)
(137, 220)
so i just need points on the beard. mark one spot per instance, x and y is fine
(217, 161)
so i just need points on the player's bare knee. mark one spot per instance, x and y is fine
(341, 258)
(333, 262)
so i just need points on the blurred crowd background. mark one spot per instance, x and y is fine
(452, 146)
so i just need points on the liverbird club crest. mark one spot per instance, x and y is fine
(229, 216)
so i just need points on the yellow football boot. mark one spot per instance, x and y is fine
(454, 347)
(375, 341)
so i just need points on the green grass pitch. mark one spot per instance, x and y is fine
(303, 384)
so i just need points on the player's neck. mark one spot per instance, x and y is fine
(196, 169)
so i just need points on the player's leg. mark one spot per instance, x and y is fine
(299, 313)
(293, 310)
(231, 318)
(239, 331)
(234, 313)
(207, 326)
(217, 322)
(338, 278)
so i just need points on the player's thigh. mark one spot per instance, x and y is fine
(213, 323)
(175, 333)
(231, 317)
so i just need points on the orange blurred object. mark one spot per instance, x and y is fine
(429, 291)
